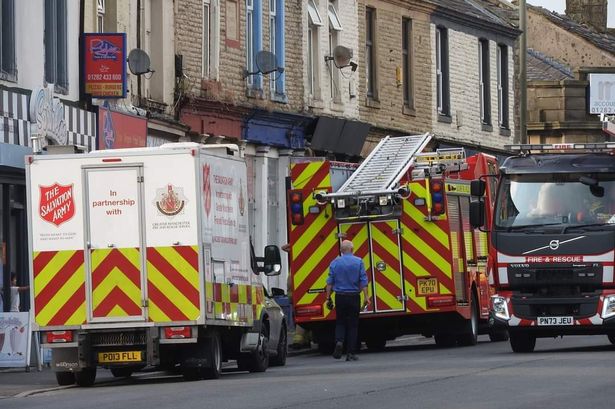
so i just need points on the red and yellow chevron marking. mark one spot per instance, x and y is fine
(235, 302)
(426, 250)
(388, 282)
(358, 234)
(116, 283)
(173, 283)
(59, 287)
(314, 244)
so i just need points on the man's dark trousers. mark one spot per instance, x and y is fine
(348, 306)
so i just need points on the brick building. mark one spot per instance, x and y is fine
(437, 66)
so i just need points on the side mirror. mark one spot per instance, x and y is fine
(477, 213)
(478, 187)
(272, 261)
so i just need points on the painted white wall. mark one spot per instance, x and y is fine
(30, 46)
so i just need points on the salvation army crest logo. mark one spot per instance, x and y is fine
(56, 204)
(170, 200)
(206, 189)
(242, 200)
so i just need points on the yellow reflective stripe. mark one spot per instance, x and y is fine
(306, 176)
(308, 267)
(310, 234)
(444, 290)
(243, 294)
(78, 316)
(50, 270)
(172, 293)
(388, 298)
(181, 265)
(420, 301)
(54, 305)
(309, 298)
(117, 311)
(156, 314)
(415, 268)
(115, 278)
(436, 259)
(430, 228)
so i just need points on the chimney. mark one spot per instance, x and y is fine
(592, 13)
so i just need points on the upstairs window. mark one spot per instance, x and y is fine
(335, 27)
(442, 73)
(484, 82)
(408, 80)
(503, 90)
(370, 53)
(7, 40)
(313, 76)
(56, 45)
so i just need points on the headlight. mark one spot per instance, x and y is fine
(608, 306)
(500, 307)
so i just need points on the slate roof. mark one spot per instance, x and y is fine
(541, 67)
(603, 41)
(479, 9)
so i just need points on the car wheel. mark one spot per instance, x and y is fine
(65, 378)
(282, 350)
(258, 360)
(85, 377)
(214, 355)
(522, 342)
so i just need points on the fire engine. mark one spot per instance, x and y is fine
(142, 257)
(552, 241)
(407, 213)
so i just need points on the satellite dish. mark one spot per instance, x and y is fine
(138, 62)
(342, 56)
(265, 64)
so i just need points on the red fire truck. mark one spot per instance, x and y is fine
(407, 214)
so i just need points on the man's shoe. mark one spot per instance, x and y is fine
(352, 357)
(337, 352)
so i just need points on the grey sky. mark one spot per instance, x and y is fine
(560, 6)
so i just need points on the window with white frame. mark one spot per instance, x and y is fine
(273, 8)
(335, 27)
(315, 21)
(442, 73)
(502, 61)
(100, 15)
(484, 81)
(7, 40)
(56, 44)
(250, 40)
(206, 41)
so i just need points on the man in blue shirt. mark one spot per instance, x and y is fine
(347, 278)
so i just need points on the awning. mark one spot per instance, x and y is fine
(338, 135)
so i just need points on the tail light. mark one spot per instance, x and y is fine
(54, 337)
(436, 301)
(178, 332)
(306, 310)
(295, 200)
(436, 188)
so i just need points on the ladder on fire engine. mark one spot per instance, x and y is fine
(386, 164)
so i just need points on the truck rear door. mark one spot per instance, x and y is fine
(114, 235)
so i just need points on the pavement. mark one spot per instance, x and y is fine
(17, 382)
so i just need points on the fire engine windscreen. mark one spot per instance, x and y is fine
(555, 199)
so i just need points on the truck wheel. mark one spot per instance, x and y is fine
(445, 340)
(469, 335)
(498, 335)
(282, 350)
(522, 342)
(86, 377)
(122, 372)
(214, 355)
(191, 374)
(65, 378)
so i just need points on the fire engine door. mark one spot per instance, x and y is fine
(358, 233)
(114, 233)
(386, 265)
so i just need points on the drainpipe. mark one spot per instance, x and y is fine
(523, 72)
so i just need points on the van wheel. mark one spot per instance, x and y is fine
(282, 350)
(65, 378)
(522, 342)
(214, 355)
(469, 336)
(85, 377)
